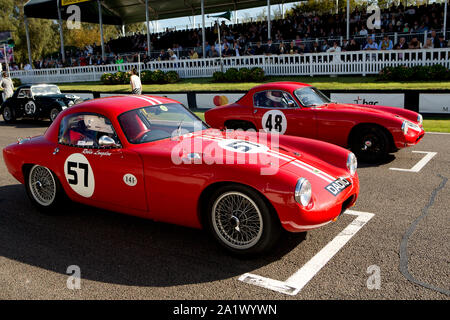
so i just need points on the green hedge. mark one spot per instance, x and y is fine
(147, 77)
(241, 75)
(17, 82)
(404, 73)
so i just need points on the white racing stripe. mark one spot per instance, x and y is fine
(293, 161)
(153, 101)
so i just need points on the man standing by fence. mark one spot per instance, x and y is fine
(8, 86)
(135, 81)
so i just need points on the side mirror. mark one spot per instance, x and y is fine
(106, 141)
(291, 104)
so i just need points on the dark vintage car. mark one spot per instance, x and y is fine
(37, 102)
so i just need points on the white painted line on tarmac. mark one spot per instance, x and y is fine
(438, 133)
(295, 283)
(419, 165)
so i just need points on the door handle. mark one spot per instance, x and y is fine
(255, 111)
(55, 151)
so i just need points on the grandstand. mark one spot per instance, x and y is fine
(302, 43)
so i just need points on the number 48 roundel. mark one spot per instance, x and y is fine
(79, 175)
(274, 121)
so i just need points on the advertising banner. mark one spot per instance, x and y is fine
(434, 103)
(379, 99)
(211, 100)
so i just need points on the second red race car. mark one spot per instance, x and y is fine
(299, 109)
(151, 157)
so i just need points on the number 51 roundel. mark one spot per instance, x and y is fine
(274, 121)
(79, 175)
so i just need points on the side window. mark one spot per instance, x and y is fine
(273, 99)
(24, 93)
(85, 130)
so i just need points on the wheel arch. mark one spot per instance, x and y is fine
(363, 125)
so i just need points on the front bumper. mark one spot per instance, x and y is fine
(411, 138)
(320, 214)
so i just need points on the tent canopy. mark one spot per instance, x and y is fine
(119, 12)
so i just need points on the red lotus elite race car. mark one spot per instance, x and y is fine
(151, 157)
(299, 109)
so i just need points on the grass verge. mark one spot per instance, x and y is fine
(322, 83)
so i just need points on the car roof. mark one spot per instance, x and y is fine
(116, 105)
(282, 85)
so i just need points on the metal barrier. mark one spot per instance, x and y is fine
(312, 64)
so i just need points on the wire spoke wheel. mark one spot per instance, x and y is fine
(42, 185)
(237, 220)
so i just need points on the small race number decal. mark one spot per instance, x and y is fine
(274, 121)
(242, 146)
(79, 175)
(130, 180)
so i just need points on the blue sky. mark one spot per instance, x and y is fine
(181, 23)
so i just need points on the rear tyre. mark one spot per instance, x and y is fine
(370, 144)
(241, 221)
(44, 189)
(9, 115)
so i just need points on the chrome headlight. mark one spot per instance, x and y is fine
(352, 163)
(419, 118)
(70, 103)
(303, 192)
(405, 127)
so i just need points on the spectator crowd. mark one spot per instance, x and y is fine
(413, 27)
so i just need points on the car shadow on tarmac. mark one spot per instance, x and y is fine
(119, 249)
(26, 124)
(389, 158)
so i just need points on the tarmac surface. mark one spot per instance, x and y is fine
(399, 252)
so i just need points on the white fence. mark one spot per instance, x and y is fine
(312, 64)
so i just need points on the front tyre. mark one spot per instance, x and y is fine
(44, 189)
(54, 113)
(370, 144)
(241, 221)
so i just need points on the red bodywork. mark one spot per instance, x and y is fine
(331, 122)
(175, 193)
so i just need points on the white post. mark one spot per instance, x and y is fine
(27, 33)
(445, 19)
(269, 31)
(348, 20)
(100, 20)
(202, 3)
(6, 59)
(147, 18)
(61, 35)
(218, 34)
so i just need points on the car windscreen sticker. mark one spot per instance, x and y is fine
(337, 186)
(79, 175)
(242, 146)
(164, 108)
(274, 121)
